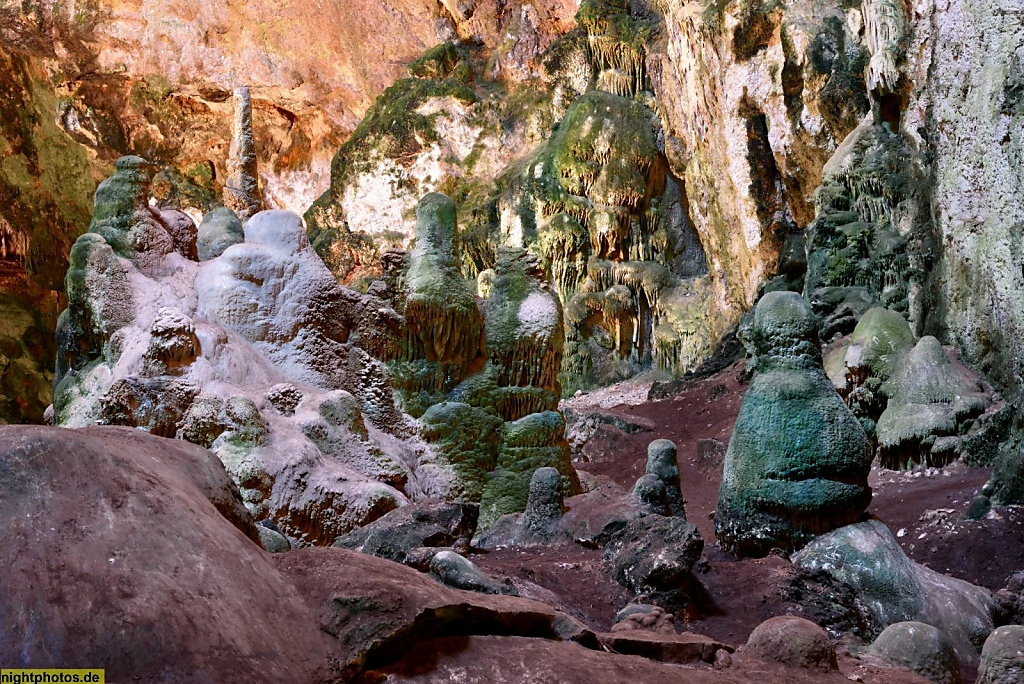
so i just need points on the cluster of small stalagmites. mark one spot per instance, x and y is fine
(481, 376)
(920, 406)
(235, 338)
(798, 460)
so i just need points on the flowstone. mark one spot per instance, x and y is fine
(482, 376)
(444, 342)
(871, 242)
(599, 205)
(571, 167)
(247, 354)
(798, 460)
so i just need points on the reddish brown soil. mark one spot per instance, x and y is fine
(733, 596)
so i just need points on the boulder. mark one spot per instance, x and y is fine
(798, 460)
(1002, 658)
(374, 611)
(112, 531)
(453, 570)
(867, 557)
(109, 530)
(793, 641)
(653, 556)
(407, 534)
(596, 516)
(271, 538)
(920, 648)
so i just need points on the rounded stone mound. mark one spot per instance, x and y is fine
(1002, 658)
(920, 648)
(793, 641)
(798, 460)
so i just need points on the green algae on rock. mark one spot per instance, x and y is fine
(919, 405)
(798, 460)
(871, 241)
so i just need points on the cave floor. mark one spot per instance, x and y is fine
(732, 596)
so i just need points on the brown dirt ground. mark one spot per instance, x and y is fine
(733, 596)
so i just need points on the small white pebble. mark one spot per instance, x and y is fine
(902, 532)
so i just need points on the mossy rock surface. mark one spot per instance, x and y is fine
(533, 442)
(466, 439)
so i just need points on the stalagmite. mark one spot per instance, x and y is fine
(241, 191)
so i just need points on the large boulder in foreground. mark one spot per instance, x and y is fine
(895, 589)
(798, 461)
(109, 531)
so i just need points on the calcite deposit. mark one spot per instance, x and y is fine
(798, 460)
(368, 258)
(258, 354)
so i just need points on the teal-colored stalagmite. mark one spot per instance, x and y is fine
(798, 461)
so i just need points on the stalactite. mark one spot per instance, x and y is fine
(616, 82)
(885, 24)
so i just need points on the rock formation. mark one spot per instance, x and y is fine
(1002, 658)
(153, 340)
(920, 648)
(896, 590)
(918, 402)
(885, 27)
(260, 355)
(798, 460)
(242, 187)
(794, 641)
(871, 240)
